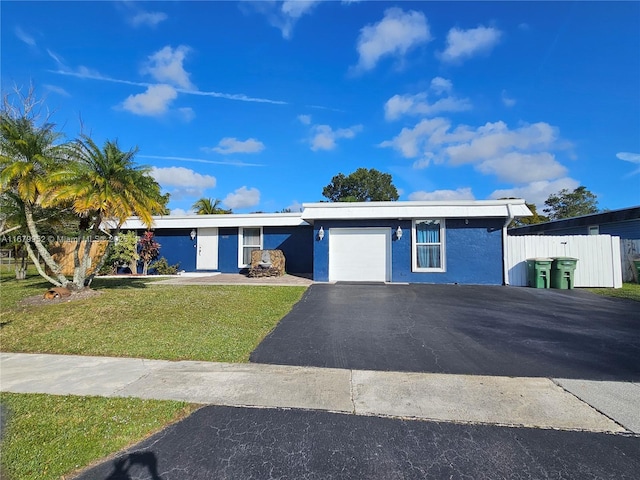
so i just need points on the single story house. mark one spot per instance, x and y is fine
(411, 242)
(623, 223)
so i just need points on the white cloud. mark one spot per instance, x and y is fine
(243, 197)
(58, 90)
(521, 155)
(458, 194)
(182, 177)
(413, 142)
(234, 163)
(464, 44)
(394, 35)
(537, 192)
(418, 104)
(630, 157)
(284, 15)
(295, 206)
(517, 167)
(304, 119)
(187, 114)
(84, 72)
(324, 137)
(166, 66)
(154, 102)
(182, 182)
(147, 19)
(496, 139)
(180, 212)
(441, 85)
(24, 36)
(230, 145)
(507, 100)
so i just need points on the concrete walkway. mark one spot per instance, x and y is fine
(511, 401)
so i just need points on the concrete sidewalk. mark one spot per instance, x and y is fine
(510, 401)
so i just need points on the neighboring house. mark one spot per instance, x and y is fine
(414, 242)
(623, 223)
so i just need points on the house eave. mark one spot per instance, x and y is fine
(407, 210)
(221, 220)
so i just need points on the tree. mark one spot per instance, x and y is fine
(361, 186)
(149, 250)
(534, 219)
(29, 153)
(206, 206)
(125, 251)
(102, 184)
(566, 204)
(95, 184)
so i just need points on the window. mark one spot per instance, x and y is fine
(250, 239)
(428, 245)
(594, 230)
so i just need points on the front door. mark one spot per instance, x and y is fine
(207, 249)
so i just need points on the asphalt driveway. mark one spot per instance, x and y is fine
(482, 330)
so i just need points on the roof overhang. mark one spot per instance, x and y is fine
(406, 210)
(221, 220)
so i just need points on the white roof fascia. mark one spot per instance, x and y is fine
(222, 220)
(407, 210)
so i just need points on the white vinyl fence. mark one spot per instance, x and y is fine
(598, 257)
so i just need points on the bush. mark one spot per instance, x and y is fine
(162, 267)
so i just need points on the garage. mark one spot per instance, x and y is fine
(360, 254)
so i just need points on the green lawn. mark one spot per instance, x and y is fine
(133, 318)
(49, 436)
(630, 291)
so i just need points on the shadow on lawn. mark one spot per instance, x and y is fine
(119, 283)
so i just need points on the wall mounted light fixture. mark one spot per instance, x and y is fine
(398, 233)
(321, 233)
(193, 234)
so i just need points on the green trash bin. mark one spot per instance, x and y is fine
(636, 262)
(562, 270)
(539, 272)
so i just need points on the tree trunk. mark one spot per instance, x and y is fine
(41, 271)
(46, 256)
(102, 259)
(82, 265)
(21, 269)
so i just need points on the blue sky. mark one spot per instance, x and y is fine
(260, 104)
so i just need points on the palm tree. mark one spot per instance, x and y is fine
(102, 184)
(28, 154)
(205, 206)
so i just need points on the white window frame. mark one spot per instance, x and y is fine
(414, 247)
(241, 245)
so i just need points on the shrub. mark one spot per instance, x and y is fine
(162, 267)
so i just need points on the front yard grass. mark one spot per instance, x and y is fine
(133, 318)
(630, 291)
(49, 436)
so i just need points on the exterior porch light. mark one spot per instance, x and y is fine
(398, 233)
(193, 234)
(321, 234)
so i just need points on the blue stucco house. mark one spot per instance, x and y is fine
(409, 242)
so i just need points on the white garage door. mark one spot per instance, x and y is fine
(359, 254)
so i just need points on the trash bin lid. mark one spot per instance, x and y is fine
(565, 258)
